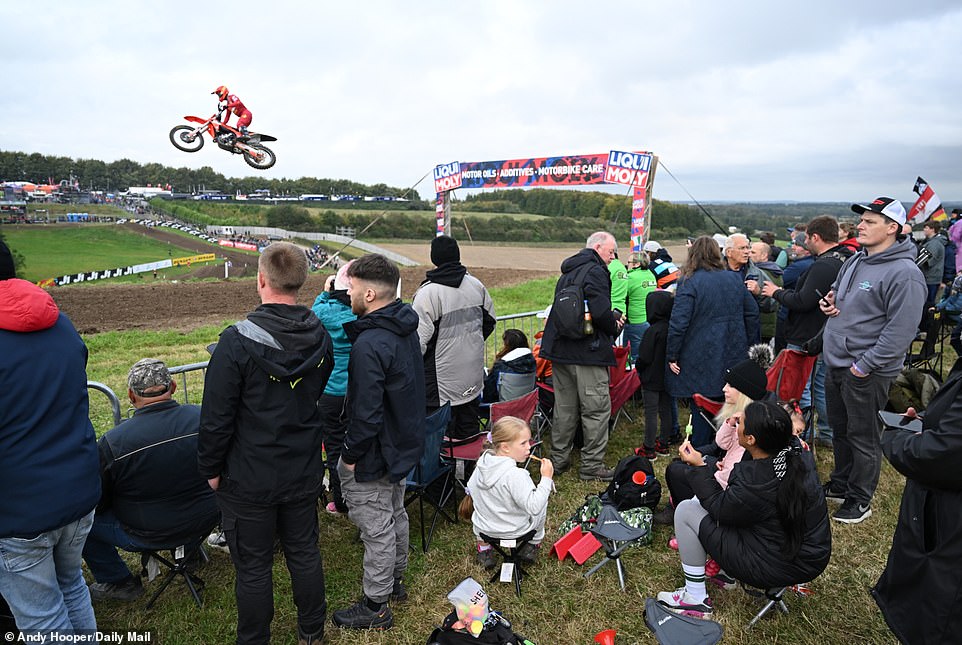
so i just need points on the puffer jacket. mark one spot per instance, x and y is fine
(742, 531)
(49, 464)
(333, 310)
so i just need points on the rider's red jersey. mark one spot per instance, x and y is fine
(235, 104)
(244, 116)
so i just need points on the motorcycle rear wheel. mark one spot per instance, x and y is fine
(268, 158)
(180, 136)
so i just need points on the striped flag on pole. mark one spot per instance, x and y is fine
(928, 205)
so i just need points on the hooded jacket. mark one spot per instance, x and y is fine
(927, 547)
(333, 310)
(260, 428)
(49, 467)
(596, 348)
(456, 315)
(935, 266)
(385, 394)
(506, 501)
(880, 299)
(518, 361)
(654, 344)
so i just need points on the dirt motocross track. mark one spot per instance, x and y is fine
(158, 304)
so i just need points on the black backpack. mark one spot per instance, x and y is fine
(624, 493)
(568, 307)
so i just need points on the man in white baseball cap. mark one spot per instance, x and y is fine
(873, 312)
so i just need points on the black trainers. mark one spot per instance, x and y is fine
(486, 559)
(602, 473)
(852, 512)
(832, 495)
(664, 517)
(310, 639)
(360, 616)
(130, 589)
(399, 593)
(528, 553)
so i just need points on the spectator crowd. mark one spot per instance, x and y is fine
(339, 392)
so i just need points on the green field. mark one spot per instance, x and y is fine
(61, 249)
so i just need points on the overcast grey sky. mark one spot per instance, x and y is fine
(760, 100)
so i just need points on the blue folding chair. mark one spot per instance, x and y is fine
(431, 469)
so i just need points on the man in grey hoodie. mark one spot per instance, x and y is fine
(873, 313)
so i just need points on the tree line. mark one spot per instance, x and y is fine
(116, 176)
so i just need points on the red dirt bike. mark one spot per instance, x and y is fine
(191, 139)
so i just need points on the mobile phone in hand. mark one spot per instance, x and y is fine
(896, 421)
(822, 299)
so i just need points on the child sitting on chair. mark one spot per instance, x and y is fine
(769, 528)
(502, 499)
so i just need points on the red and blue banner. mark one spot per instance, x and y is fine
(635, 169)
(571, 170)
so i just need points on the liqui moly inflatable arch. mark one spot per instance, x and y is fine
(634, 169)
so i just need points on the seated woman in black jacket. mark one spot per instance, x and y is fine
(514, 357)
(768, 528)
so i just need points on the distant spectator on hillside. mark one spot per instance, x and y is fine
(933, 268)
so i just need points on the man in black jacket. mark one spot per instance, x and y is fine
(385, 435)
(260, 445)
(152, 492)
(805, 318)
(580, 366)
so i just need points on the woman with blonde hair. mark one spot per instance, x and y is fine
(502, 500)
(744, 383)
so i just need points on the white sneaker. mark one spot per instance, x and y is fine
(680, 602)
(217, 540)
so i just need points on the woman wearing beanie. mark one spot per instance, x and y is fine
(744, 382)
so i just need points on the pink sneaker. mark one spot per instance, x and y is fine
(332, 508)
(673, 543)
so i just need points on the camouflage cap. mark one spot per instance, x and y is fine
(149, 374)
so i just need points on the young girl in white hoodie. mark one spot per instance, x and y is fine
(503, 500)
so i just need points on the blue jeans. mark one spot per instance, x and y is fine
(40, 579)
(100, 553)
(633, 334)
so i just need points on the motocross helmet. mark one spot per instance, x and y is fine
(221, 92)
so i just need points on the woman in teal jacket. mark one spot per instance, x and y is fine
(333, 309)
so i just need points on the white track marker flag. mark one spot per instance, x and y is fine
(928, 204)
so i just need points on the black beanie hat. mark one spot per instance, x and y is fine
(7, 269)
(444, 250)
(748, 378)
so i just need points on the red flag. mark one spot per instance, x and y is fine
(928, 204)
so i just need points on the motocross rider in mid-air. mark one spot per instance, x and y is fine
(240, 110)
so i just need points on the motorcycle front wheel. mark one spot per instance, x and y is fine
(262, 160)
(184, 138)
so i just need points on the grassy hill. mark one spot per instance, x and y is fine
(60, 249)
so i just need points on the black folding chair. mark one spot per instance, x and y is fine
(422, 482)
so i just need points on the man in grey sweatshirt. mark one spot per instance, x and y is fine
(873, 313)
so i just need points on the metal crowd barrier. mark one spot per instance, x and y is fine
(528, 322)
